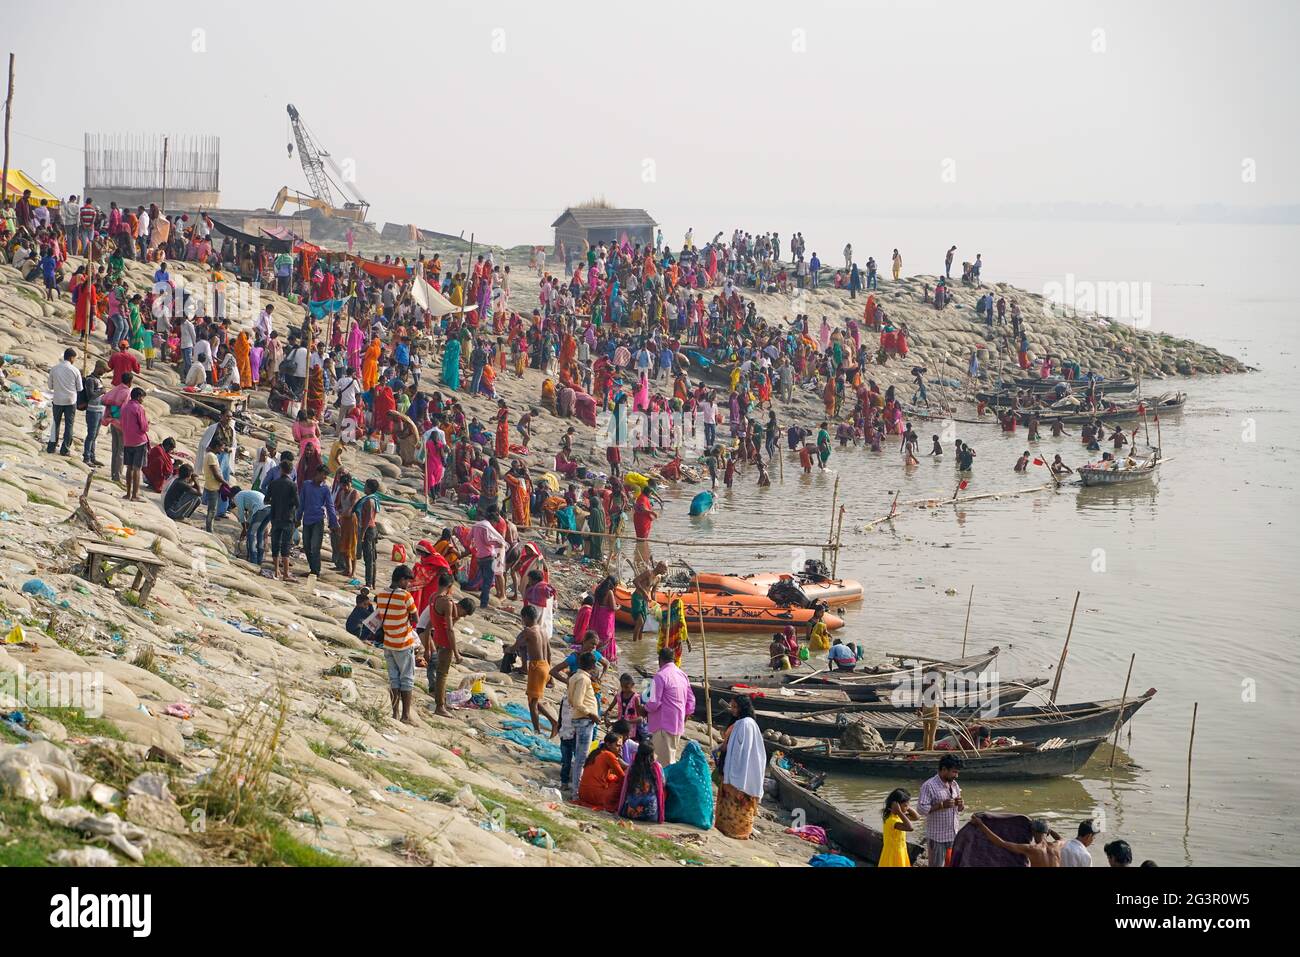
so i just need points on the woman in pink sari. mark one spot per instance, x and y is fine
(356, 340)
(824, 334)
(433, 464)
(641, 400)
(602, 617)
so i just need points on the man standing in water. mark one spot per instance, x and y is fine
(940, 801)
(643, 519)
(646, 582)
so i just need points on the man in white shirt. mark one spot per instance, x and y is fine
(348, 390)
(68, 213)
(262, 327)
(188, 338)
(197, 373)
(64, 384)
(142, 230)
(1075, 852)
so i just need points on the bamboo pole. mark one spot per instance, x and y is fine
(164, 177)
(9, 106)
(1119, 720)
(1195, 707)
(835, 497)
(780, 464)
(966, 630)
(1060, 665)
(704, 644)
(839, 531)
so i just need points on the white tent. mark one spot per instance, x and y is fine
(427, 297)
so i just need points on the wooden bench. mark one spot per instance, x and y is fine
(105, 559)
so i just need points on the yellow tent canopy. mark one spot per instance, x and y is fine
(20, 181)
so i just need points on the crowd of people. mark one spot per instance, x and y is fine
(368, 365)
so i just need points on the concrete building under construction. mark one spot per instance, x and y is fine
(137, 169)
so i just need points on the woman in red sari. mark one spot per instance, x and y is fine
(502, 447)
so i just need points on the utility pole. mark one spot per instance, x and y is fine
(164, 178)
(9, 105)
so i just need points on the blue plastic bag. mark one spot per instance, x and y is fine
(688, 789)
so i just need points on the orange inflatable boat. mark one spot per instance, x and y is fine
(729, 612)
(833, 591)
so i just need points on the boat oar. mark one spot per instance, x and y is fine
(819, 671)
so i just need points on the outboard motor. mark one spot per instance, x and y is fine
(816, 571)
(788, 592)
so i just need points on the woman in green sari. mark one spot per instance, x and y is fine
(596, 524)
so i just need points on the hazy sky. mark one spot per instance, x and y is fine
(493, 116)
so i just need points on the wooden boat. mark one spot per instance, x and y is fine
(1050, 759)
(1117, 472)
(728, 612)
(1077, 386)
(1029, 724)
(872, 684)
(1171, 402)
(796, 790)
(833, 591)
(854, 701)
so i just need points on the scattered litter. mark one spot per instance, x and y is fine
(809, 832)
(34, 586)
(83, 857)
(179, 710)
(830, 860)
(127, 838)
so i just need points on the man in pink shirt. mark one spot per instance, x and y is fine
(114, 399)
(671, 701)
(486, 543)
(135, 439)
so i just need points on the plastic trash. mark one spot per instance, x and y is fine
(34, 586)
(15, 636)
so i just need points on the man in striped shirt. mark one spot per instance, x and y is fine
(940, 801)
(397, 613)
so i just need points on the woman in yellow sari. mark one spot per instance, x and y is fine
(370, 366)
(242, 348)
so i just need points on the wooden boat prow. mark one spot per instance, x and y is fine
(845, 831)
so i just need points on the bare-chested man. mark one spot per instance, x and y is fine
(1040, 852)
(539, 666)
(645, 584)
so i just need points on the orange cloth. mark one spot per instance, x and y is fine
(242, 349)
(538, 674)
(601, 784)
(370, 365)
(520, 510)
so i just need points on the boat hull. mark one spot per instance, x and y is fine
(1028, 724)
(995, 764)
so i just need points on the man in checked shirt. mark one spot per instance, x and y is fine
(940, 802)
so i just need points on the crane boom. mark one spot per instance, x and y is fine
(309, 154)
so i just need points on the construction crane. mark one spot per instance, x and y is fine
(317, 165)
